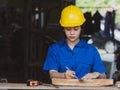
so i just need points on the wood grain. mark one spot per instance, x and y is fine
(76, 82)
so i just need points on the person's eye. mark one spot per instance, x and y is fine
(75, 29)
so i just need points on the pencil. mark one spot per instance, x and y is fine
(75, 74)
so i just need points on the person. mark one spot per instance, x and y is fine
(73, 57)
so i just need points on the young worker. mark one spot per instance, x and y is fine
(73, 57)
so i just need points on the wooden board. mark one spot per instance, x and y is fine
(23, 86)
(75, 82)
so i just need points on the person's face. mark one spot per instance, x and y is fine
(72, 33)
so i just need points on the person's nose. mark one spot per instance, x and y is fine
(72, 31)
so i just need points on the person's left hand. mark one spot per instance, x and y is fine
(91, 75)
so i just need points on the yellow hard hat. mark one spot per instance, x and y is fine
(71, 16)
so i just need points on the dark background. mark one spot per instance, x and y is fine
(27, 28)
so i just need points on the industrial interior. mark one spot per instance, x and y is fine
(29, 27)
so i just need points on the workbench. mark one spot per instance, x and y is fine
(24, 86)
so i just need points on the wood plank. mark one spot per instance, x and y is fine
(75, 82)
(21, 86)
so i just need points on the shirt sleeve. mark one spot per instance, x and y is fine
(98, 65)
(51, 61)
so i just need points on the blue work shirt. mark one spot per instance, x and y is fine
(83, 59)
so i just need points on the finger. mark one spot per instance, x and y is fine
(73, 73)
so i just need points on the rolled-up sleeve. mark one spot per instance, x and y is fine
(98, 65)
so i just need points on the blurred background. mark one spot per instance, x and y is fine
(29, 27)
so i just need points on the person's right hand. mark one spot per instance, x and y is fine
(70, 74)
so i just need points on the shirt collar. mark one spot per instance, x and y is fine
(81, 43)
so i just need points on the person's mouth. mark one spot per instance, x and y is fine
(72, 37)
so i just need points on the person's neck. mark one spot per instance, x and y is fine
(72, 44)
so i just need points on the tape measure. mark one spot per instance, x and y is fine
(32, 83)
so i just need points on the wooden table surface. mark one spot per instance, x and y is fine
(49, 86)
